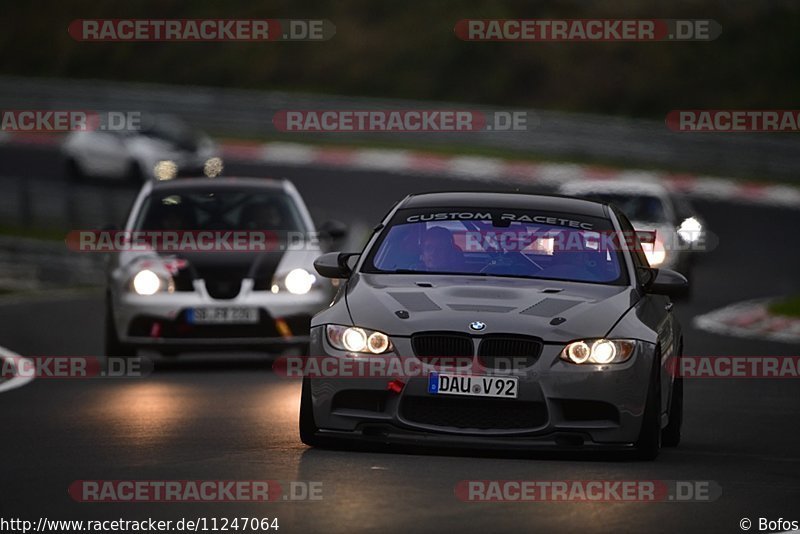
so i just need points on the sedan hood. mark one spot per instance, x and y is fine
(556, 311)
(260, 266)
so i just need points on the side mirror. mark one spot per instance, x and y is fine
(667, 282)
(333, 230)
(334, 264)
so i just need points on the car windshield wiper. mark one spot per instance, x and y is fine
(412, 271)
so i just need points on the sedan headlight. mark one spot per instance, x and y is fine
(297, 282)
(146, 282)
(355, 339)
(149, 281)
(655, 253)
(598, 351)
(213, 167)
(165, 170)
(690, 230)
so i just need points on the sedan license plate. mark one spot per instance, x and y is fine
(504, 387)
(226, 315)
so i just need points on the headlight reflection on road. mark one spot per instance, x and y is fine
(147, 413)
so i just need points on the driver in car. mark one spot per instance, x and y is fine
(439, 251)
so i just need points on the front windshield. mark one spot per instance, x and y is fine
(547, 246)
(644, 208)
(219, 209)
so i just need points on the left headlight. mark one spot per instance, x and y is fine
(598, 351)
(297, 282)
(656, 253)
(213, 167)
(355, 339)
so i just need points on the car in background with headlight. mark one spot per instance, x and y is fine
(679, 231)
(132, 153)
(506, 322)
(215, 264)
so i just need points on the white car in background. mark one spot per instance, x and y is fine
(192, 300)
(133, 153)
(651, 206)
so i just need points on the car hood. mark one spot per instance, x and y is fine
(233, 265)
(505, 305)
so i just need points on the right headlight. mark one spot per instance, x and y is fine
(151, 278)
(598, 351)
(355, 339)
(146, 282)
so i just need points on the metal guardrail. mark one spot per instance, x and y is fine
(236, 112)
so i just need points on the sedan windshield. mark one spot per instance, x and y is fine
(219, 209)
(560, 247)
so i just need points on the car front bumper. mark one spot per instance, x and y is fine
(559, 405)
(161, 320)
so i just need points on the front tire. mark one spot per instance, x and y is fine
(671, 435)
(648, 445)
(308, 427)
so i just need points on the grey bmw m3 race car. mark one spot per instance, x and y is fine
(498, 320)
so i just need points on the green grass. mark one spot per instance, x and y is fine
(789, 307)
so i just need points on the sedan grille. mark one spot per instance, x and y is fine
(509, 352)
(430, 347)
(222, 283)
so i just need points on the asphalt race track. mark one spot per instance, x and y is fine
(227, 416)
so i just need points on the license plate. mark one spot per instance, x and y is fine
(226, 315)
(474, 386)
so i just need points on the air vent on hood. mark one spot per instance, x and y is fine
(415, 301)
(481, 308)
(549, 307)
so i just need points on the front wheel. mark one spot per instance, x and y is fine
(308, 427)
(648, 445)
(671, 435)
